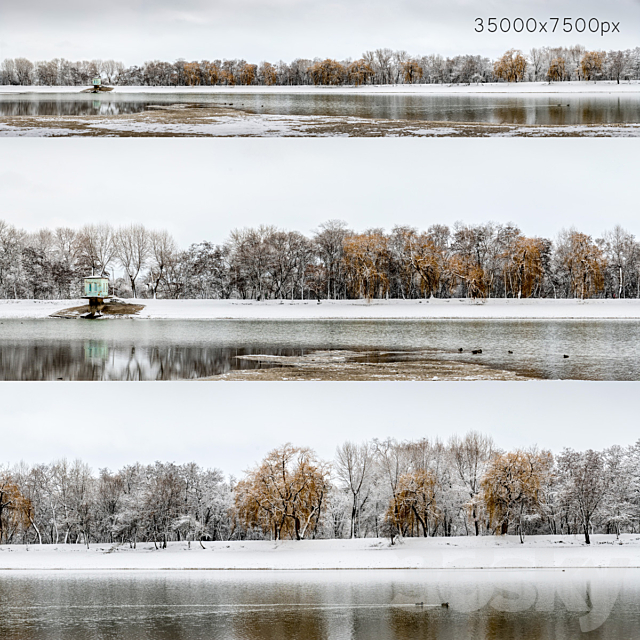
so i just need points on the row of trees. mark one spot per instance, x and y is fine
(378, 488)
(382, 66)
(477, 261)
(51, 264)
(563, 64)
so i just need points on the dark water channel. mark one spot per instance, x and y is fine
(50, 349)
(367, 605)
(520, 109)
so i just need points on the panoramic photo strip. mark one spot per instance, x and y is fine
(401, 518)
(547, 91)
(295, 344)
(425, 279)
(355, 69)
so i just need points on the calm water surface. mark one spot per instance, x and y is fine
(372, 605)
(496, 109)
(50, 349)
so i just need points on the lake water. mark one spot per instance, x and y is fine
(321, 605)
(50, 349)
(495, 109)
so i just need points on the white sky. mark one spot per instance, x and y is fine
(232, 425)
(202, 189)
(138, 30)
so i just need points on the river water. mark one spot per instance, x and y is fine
(321, 605)
(51, 349)
(520, 109)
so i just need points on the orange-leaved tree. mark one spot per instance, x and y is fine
(412, 71)
(523, 266)
(512, 487)
(583, 263)
(327, 72)
(413, 505)
(557, 69)
(366, 258)
(268, 73)
(472, 275)
(14, 509)
(192, 74)
(592, 63)
(511, 66)
(426, 260)
(247, 73)
(284, 495)
(210, 72)
(360, 72)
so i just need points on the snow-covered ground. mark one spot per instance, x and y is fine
(429, 89)
(8, 131)
(505, 552)
(376, 309)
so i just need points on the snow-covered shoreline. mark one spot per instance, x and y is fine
(600, 87)
(458, 553)
(349, 309)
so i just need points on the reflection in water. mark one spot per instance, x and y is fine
(96, 351)
(50, 349)
(63, 106)
(318, 605)
(99, 361)
(495, 109)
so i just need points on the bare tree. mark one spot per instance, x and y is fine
(621, 251)
(252, 251)
(471, 455)
(132, 247)
(354, 466)
(97, 246)
(585, 483)
(163, 249)
(329, 240)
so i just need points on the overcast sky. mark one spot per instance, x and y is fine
(233, 425)
(202, 189)
(137, 30)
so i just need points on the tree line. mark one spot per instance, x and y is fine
(463, 261)
(379, 488)
(379, 67)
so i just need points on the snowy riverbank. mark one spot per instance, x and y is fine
(490, 552)
(349, 309)
(604, 87)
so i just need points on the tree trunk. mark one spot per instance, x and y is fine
(353, 517)
(33, 524)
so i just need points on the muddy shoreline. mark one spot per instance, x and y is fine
(344, 365)
(205, 121)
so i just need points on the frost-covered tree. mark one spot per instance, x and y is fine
(285, 494)
(354, 468)
(512, 487)
(14, 509)
(585, 482)
(511, 66)
(470, 457)
(132, 249)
